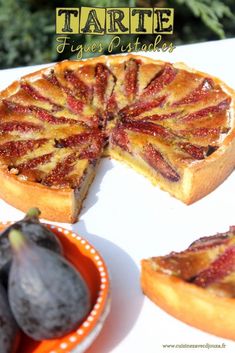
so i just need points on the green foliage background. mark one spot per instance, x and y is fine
(27, 27)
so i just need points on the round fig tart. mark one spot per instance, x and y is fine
(171, 123)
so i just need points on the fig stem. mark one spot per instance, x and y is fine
(17, 239)
(33, 212)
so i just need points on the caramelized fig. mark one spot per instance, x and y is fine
(9, 331)
(48, 296)
(32, 229)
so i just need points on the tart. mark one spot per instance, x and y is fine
(173, 124)
(197, 285)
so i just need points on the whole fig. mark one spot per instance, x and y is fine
(48, 296)
(9, 331)
(33, 229)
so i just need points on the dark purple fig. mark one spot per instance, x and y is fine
(9, 331)
(48, 296)
(4, 274)
(32, 229)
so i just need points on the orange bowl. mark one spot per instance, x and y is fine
(94, 271)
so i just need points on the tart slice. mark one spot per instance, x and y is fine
(197, 285)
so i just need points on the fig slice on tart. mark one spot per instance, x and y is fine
(196, 285)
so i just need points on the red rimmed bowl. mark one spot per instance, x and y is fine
(93, 269)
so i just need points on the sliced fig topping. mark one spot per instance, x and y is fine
(82, 90)
(158, 117)
(52, 79)
(119, 137)
(40, 113)
(17, 108)
(197, 152)
(76, 140)
(198, 93)
(21, 126)
(55, 82)
(29, 89)
(132, 121)
(35, 162)
(201, 256)
(131, 78)
(148, 128)
(202, 132)
(32, 92)
(224, 105)
(44, 115)
(20, 148)
(74, 104)
(162, 79)
(102, 76)
(112, 105)
(139, 107)
(156, 160)
(92, 151)
(57, 177)
(221, 267)
(95, 121)
(89, 145)
(210, 241)
(205, 132)
(72, 141)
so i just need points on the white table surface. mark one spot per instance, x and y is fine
(127, 219)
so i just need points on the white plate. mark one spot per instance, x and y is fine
(128, 219)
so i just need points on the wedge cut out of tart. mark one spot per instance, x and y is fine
(197, 285)
(173, 124)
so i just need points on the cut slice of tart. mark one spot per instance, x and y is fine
(197, 285)
(171, 123)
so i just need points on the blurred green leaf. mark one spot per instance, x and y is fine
(210, 12)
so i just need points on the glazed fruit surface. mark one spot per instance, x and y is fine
(58, 123)
(209, 263)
